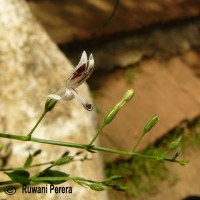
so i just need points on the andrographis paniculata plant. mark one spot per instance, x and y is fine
(21, 175)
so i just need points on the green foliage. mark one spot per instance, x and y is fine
(139, 174)
(143, 175)
(50, 104)
(19, 176)
(125, 99)
(50, 176)
(63, 160)
(96, 187)
(175, 144)
(135, 169)
(150, 124)
(29, 160)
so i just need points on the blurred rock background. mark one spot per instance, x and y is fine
(31, 67)
(149, 45)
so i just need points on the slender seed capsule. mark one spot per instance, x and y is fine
(126, 98)
(150, 124)
(175, 144)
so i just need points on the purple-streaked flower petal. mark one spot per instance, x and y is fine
(81, 72)
(89, 70)
(87, 106)
(78, 71)
(83, 59)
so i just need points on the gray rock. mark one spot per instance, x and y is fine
(31, 66)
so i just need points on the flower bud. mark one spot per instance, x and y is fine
(62, 160)
(175, 144)
(126, 98)
(96, 187)
(50, 103)
(183, 162)
(150, 124)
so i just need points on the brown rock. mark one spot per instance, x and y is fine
(167, 88)
(71, 20)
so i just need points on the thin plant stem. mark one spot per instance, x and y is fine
(97, 134)
(38, 122)
(112, 14)
(31, 166)
(85, 147)
(6, 182)
(137, 143)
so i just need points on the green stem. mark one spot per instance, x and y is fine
(84, 146)
(36, 125)
(6, 182)
(97, 134)
(31, 166)
(137, 143)
(45, 141)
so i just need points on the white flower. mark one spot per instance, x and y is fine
(81, 73)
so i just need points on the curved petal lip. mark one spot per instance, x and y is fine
(54, 96)
(81, 73)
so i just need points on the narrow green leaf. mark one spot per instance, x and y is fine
(96, 187)
(28, 161)
(51, 173)
(19, 176)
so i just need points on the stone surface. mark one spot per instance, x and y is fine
(168, 88)
(31, 66)
(159, 41)
(71, 20)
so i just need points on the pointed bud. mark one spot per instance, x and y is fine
(150, 124)
(50, 103)
(126, 98)
(62, 160)
(115, 177)
(176, 155)
(175, 144)
(96, 187)
(183, 162)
